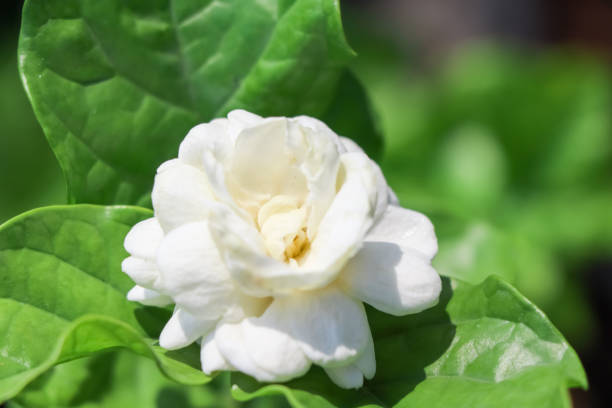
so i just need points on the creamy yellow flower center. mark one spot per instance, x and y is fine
(282, 223)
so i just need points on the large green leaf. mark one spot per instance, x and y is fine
(116, 84)
(124, 380)
(483, 345)
(62, 295)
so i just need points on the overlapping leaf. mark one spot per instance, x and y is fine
(62, 295)
(122, 379)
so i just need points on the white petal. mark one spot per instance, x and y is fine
(384, 193)
(350, 145)
(244, 253)
(143, 239)
(317, 149)
(143, 272)
(393, 271)
(180, 195)
(193, 273)
(331, 328)
(244, 118)
(269, 346)
(262, 166)
(348, 376)
(200, 139)
(409, 229)
(211, 358)
(232, 345)
(147, 297)
(182, 329)
(367, 361)
(392, 198)
(257, 348)
(251, 268)
(347, 220)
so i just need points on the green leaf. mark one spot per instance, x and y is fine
(117, 84)
(122, 379)
(62, 295)
(483, 345)
(351, 115)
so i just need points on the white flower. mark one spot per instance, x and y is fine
(268, 235)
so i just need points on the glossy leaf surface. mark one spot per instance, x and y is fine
(62, 295)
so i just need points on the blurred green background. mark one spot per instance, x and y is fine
(497, 118)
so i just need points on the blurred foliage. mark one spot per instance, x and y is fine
(511, 156)
(30, 174)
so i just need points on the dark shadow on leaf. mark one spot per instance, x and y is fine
(169, 397)
(189, 355)
(99, 381)
(405, 346)
(152, 319)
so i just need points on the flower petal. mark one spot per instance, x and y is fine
(367, 361)
(349, 145)
(348, 376)
(384, 193)
(257, 347)
(243, 118)
(261, 166)
(211, 358)
(202, 138)
(193, 273)
(148, 297)
(182, 329)
(347, 219)
(317, 149)
(331, 328)
(251, 268)
(142, 271)
(180, 195)
(409, 229)
(392, 272)
(231, 343)
(144, 238)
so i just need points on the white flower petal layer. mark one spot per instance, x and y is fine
(183, 328)
(346, 376)
(331, 328)
(318, 150)
(256, 347)
(201, 139)
(367, 361)
(180, 195)
(347, 220)
(148, 297)
(385, 194)
(351, 375)
(211, 357)
(261, 167)
(193, 273)
(143, 272)
(144, 238)
(393, 271)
